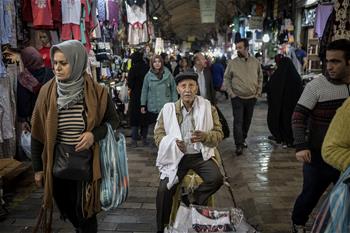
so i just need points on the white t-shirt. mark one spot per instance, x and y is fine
(71, 11)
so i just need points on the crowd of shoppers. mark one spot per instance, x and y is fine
(177, 99)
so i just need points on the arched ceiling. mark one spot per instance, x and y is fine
(182, 18)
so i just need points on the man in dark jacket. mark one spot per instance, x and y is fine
(205, 79)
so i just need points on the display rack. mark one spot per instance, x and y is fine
(313, 59)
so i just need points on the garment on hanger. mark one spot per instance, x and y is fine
(137, 33)
(322, 14)
(71, 11)
(42, 15)
(136, 14)
(7, 128)
(342, 23)
(56, 10)
(135, 2)
(101, 7)
(2, 67)
(27, 15)
(113, 12)
(6, 11)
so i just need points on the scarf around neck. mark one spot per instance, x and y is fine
(71, 91)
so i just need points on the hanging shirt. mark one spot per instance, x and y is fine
(71, 11)
(6, 111)
(101, 7)
(56, 10)
(2, 67)
(6, 9)
(41, 10)
(112, 12)
(27, 15)
(136, 14)
(322, 14)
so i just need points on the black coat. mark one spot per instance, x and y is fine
(283, 92)
(136, 76)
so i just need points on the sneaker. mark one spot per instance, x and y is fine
(298, 229)
(239, 150)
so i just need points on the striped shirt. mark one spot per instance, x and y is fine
(315, 111)
(71, 124)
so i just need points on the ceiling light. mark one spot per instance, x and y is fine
(266, 38)
(155, 17)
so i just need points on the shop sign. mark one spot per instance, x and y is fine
(256, 22)
(208, 9)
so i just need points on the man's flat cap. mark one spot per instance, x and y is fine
(186, 75)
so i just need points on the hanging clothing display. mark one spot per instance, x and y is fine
(41, 11)
(6, 20)
(342, 23)
(71, 11)
(101, 8)
(8, 86)
(135, 2)
(2, 67)
(138, 30)
(112, 12)
(7, 128)
(322, 14)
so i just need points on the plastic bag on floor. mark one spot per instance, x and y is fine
(208, 219)
(26, 143)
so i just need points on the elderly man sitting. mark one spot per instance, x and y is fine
(186, 134)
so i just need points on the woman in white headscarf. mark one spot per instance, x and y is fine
(71, 110)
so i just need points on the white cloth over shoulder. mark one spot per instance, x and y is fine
(169, 155)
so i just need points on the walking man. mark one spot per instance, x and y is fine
(243, 82)
(315, 109)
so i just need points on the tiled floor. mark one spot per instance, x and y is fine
(265, 180)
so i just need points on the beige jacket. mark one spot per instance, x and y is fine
(243, 78)
(212, 138)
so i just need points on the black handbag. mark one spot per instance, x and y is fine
(72, 165)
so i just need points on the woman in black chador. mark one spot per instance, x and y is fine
(138, 121)
(283, 92)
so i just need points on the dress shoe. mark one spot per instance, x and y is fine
(239, 150)
(298, 229)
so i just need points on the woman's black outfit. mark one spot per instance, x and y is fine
(283, 92)
(136, 76)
